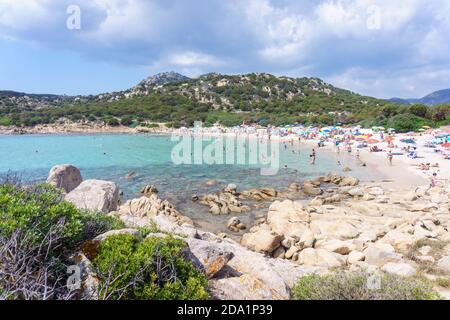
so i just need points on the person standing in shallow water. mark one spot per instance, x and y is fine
(313, 156)
(390, 156)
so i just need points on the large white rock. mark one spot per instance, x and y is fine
(334, 229)
(64, 176)
(243, 287)
(444, 263)
(307, 239)
(262, 241)
(399, 269)
(355, 256)
(337, 246)
(251, 275)
(172, 224)
(211, 257)
(349, 181)
(95, 195)
(379, 257)
(321, 258)
(288, 218)
(400, 240)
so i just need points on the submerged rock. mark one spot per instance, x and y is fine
(235, 225)
(148, 190)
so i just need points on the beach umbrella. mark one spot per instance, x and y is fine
(408, 141)
(372, 141)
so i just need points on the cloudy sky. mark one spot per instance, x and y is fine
(382, 48)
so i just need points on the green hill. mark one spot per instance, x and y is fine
(228, 99)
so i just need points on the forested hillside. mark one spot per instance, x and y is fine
(228, 99)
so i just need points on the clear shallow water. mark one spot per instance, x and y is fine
(113, 156)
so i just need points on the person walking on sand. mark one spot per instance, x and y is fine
(390, 156)
(313, 157)
(357, 154)
(433, 182)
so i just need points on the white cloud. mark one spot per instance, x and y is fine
(328, 38)
(405, 83)
(189, 59)
(23, 15)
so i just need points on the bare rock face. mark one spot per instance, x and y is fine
(337, 246)
(349, 182)
(262, 241)
(95, 195)
(311, 190)
(250, 275)
(444, 263)
(224, 202)
(89, 288)
(399, 269)
(65, 176)
(335, 229)
(288, 218)
(380, 256)
(212, 258)
(235, 225)
(259, 194)
(148, 190)
(321, 257)
(148, 211)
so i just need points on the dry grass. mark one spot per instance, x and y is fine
(346, 285)
(443, 282)
(437, 251)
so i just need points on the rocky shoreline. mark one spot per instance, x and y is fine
(346, 225)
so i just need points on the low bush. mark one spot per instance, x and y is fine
(38, 233)
(346, 285)
(146, 270)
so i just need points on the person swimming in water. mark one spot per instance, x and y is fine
(313, 157)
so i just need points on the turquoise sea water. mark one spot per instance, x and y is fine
(113, 156)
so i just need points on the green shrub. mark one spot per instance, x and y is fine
(40, 207)
(152, 125)
(40, 231)
(346, 285)
(419, 110)
(126, 121)
(153, 269)
(5, 121)
(407, 122)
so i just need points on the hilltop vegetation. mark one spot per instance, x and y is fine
(230, 100)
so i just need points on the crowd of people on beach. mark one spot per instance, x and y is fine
(353, 141)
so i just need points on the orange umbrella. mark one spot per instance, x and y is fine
(372, 141)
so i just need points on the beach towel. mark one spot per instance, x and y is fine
(412, 155)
